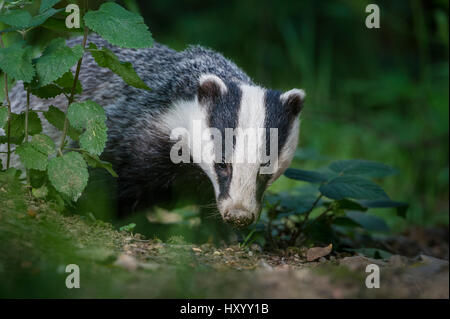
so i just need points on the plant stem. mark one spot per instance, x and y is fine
(72, 95)
(8, 103)
(301, 225)
(27, 111)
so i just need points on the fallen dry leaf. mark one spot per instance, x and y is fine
(317, 252)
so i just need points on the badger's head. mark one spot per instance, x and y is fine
(248, 138)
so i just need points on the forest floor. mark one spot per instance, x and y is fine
(36, 247)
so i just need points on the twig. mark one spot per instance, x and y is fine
(8, 103)
(301, 225)
(72, 94)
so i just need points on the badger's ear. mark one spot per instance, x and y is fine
(210, 88)
(293, 100)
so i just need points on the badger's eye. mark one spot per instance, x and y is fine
(267, 164)
(222, 165)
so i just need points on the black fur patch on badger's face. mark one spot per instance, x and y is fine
(223, 113)
(279, 117)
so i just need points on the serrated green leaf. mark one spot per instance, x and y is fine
(90, 116)
(34, 154)
(350, 186)
(351, 205)
(107, 59)
(16, 62)
(56, 117)
(18, 126)
(362, 168)
(46, 4)
(43, 144)
(80, 113)
(66, 82)
(95, 162)
(31, 158)
(56, 60)
(94, 138)
(42, 17)
(25, 22)
(116, 25)
(68, 174)
(3, 116)
(40, 192)
(401, 207)
(304, 175)
(16, 18)
(367, 221)
(46, 92)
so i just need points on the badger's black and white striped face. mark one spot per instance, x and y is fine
(250, 139)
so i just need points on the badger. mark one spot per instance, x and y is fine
(197, 84)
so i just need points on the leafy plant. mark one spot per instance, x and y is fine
(56, 171)
(332, 207)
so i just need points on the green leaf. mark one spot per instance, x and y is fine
(56, 117)
(307, 176)
(42, 17)
(56, 60)
(351, 205)
(94, 138)
(40, 192)
(16, 18)
(22, 20)
(367, 221)
(95, 162)
(90, 116)
(119, 26)
(362, 168)
(349, 186)
(107, 59)
(3, 116)
(46, 4)
(43, 144)
(31, 158)
(46, 92)
(66, 83)
(68, 174)
(34, 154)
(16, 62)
(402, 207)
(18, 126)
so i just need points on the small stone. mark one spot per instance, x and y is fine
(126, 261)
(264, 265)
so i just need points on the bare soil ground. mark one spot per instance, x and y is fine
(36, 246)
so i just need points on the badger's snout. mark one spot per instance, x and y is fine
(238, 218)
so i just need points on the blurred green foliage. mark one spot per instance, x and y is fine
(379, 94)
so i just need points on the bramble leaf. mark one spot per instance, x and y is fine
(90, 116)
(68, 174)
(107, 59)
(3, 116)
(56, 117)
(16, 62)
(350, 186)
(94, 161)
(16, 18)
(34, 154)
(46, 4)
(56, 60)
(304, 175)
(18, 126)
(362, 168)
(116, 25)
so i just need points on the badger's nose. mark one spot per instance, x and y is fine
(238, 218)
